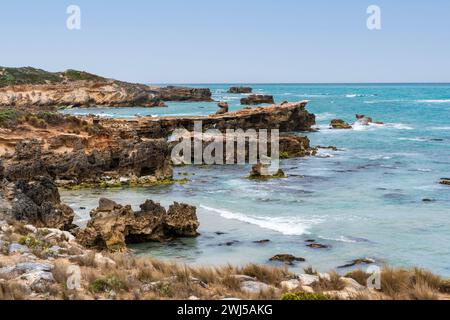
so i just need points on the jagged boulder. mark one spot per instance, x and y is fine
(112, 225)
(38, 202)
(256, 99)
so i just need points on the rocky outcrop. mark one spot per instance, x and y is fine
(339, 124)
(287, 118)
(365, 121)
(255, 99)
(223, 107)
(287, 259)
(112, 226)
(78, 94)
(240, 90)
(37, 202)
(261, 172)
(122, 158)
(173, 93)
(445, 181)
(29, 87)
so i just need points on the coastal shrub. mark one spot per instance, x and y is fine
(111, 283)
(37, 123)
(52, 118)
(9, 117)
(301, 295)
(284, 155)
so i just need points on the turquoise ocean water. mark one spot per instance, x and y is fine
(365, 200)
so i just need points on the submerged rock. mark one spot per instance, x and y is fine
(339, 124)
(318, 246)
(261, 171)
(240, 90)
(287, 258)
(112, 226)
(256, 99)
(357, 262)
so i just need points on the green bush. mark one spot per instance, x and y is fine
(111, 283)
(301, 295)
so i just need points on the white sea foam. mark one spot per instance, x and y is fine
(325, 116)
(413, 139)
(434, 101)
(440, 128)
(286, 225)
(339, 239)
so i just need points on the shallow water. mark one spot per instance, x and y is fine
(364, 200)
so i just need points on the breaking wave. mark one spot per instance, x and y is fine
(290, 226)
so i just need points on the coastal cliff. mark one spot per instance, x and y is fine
(30, 87)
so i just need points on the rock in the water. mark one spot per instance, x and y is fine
(318, 246)
(357, 262)
(339, 124)
(287, 258)
(240, 90)
(261, 171)
(223, 107)
(445, 181)
(112, 226)
(256, 99)
(365, 121)
(181, 221)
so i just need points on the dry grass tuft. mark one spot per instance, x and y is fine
(359, 276)
(334, 283)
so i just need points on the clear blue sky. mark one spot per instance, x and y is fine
(205, 41)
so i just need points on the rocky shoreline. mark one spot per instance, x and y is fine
(39, 89)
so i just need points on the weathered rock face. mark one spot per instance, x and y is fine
(293, 146)
(288, 117)
(254, 100)
(37, 202)
(78, 94)
(121, 158)
(339, 124)
(240, 90)
(112, 226)
(261, 172)
(172, 93)
(29, 87)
